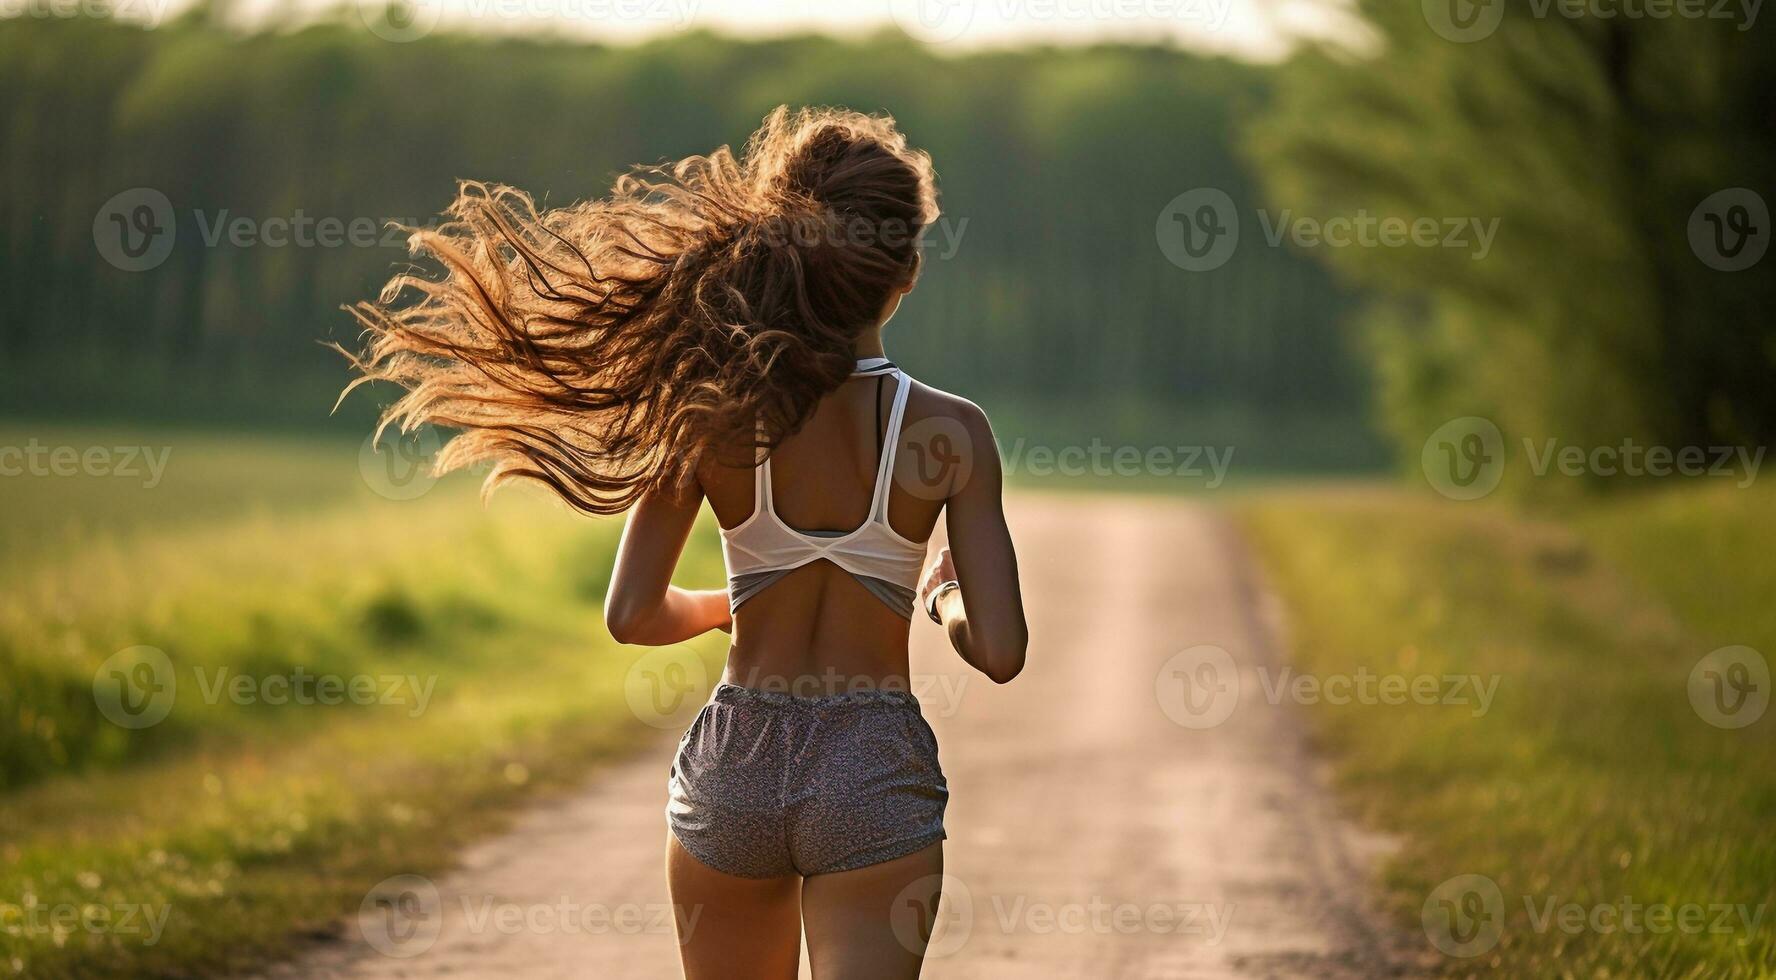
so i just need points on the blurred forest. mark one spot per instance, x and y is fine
(1590, 143)
(1046, 297)
(1628, 160)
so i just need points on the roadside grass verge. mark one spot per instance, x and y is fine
(1590, 781)
(251, 817)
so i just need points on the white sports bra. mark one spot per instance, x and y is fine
(762, 549)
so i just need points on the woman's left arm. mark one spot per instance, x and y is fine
(642, 605)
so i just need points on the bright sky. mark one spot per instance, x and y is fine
(1248, 28)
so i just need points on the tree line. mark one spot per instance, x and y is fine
(191, 205)
(1622, 152)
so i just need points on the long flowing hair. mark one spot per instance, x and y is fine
(608, 348)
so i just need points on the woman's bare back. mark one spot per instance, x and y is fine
(818, 628)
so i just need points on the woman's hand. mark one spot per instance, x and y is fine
(984, 615)
(642, 606)
(941, 570)
(722, 615)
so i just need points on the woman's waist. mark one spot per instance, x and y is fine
(811, 675)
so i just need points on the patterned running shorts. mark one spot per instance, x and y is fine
(768, 784)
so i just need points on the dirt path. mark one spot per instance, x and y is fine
(1103, 821)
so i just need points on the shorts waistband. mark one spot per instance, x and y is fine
(726, 693)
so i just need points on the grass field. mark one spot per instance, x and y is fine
(362, 684)
(235, 826)
(1592, 791)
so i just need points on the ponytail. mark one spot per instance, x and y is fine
(608, 348)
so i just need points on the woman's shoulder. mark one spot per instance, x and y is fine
(926, 401)
(945, 424)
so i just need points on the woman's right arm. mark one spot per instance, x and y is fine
(984, 617)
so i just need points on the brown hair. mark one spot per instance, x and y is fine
(700, 312)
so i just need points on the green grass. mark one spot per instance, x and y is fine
(249, 824)
(1591, 778)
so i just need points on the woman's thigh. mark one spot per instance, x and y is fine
(873, 923)
(745, 928)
